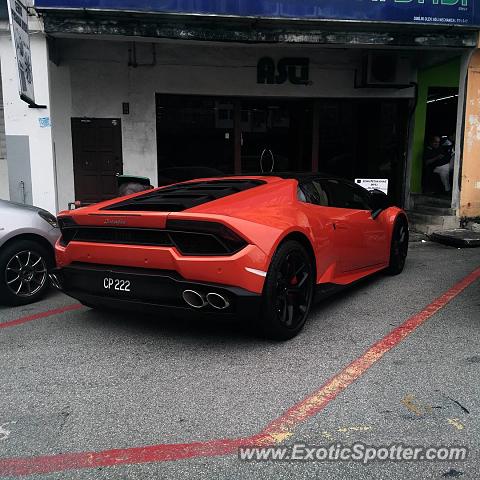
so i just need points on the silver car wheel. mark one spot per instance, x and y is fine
(26, 273)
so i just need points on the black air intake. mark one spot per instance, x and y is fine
(183, 196)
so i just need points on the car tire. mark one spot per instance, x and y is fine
(288, 292)
(24, 266)
(398, 247)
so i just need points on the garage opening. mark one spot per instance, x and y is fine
(351, 138)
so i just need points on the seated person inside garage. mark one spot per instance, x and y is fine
(436, 171)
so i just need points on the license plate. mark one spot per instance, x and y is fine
(116, 284)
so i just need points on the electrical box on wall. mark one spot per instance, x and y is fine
(382, 70)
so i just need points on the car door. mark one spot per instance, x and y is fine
(360, 240)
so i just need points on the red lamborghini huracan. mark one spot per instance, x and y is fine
(256, 248)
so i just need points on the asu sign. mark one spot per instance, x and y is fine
(442, 12)
(295, 70)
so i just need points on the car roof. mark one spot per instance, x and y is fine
(301, 176)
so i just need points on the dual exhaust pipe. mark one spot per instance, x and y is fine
(196, 300)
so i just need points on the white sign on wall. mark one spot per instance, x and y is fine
(21, 43)
(373, 184)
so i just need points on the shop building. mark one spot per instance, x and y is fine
(137, 87)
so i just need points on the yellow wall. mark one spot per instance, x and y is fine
(470, 182)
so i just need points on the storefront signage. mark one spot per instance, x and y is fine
(21, 43)
(444, 12)
(295, 70)
(373, 184)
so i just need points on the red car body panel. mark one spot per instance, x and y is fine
(347, 244)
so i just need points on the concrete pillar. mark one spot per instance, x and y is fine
(30, 153)
(470, 174)
(4, 190)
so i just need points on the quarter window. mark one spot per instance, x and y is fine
(314, 192)
(345, 195)
(301, 196)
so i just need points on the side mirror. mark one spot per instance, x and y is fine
(379, 202)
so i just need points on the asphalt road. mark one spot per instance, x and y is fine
(85, 381)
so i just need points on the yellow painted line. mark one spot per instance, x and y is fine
(455, 422)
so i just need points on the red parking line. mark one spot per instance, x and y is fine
(37, 316)
(328, 391)
(275, 432)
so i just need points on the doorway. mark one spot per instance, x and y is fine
(440, 133)
(97, 158)
(442, 106)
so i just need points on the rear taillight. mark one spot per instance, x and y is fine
(193, 237)
(67, 226)
(65, 222)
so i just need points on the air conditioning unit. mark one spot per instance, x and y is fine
(383, 70)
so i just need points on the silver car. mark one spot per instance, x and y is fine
(27, 237)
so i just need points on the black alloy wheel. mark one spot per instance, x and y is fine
(24, 268)
(399, 247)
(288, 292)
